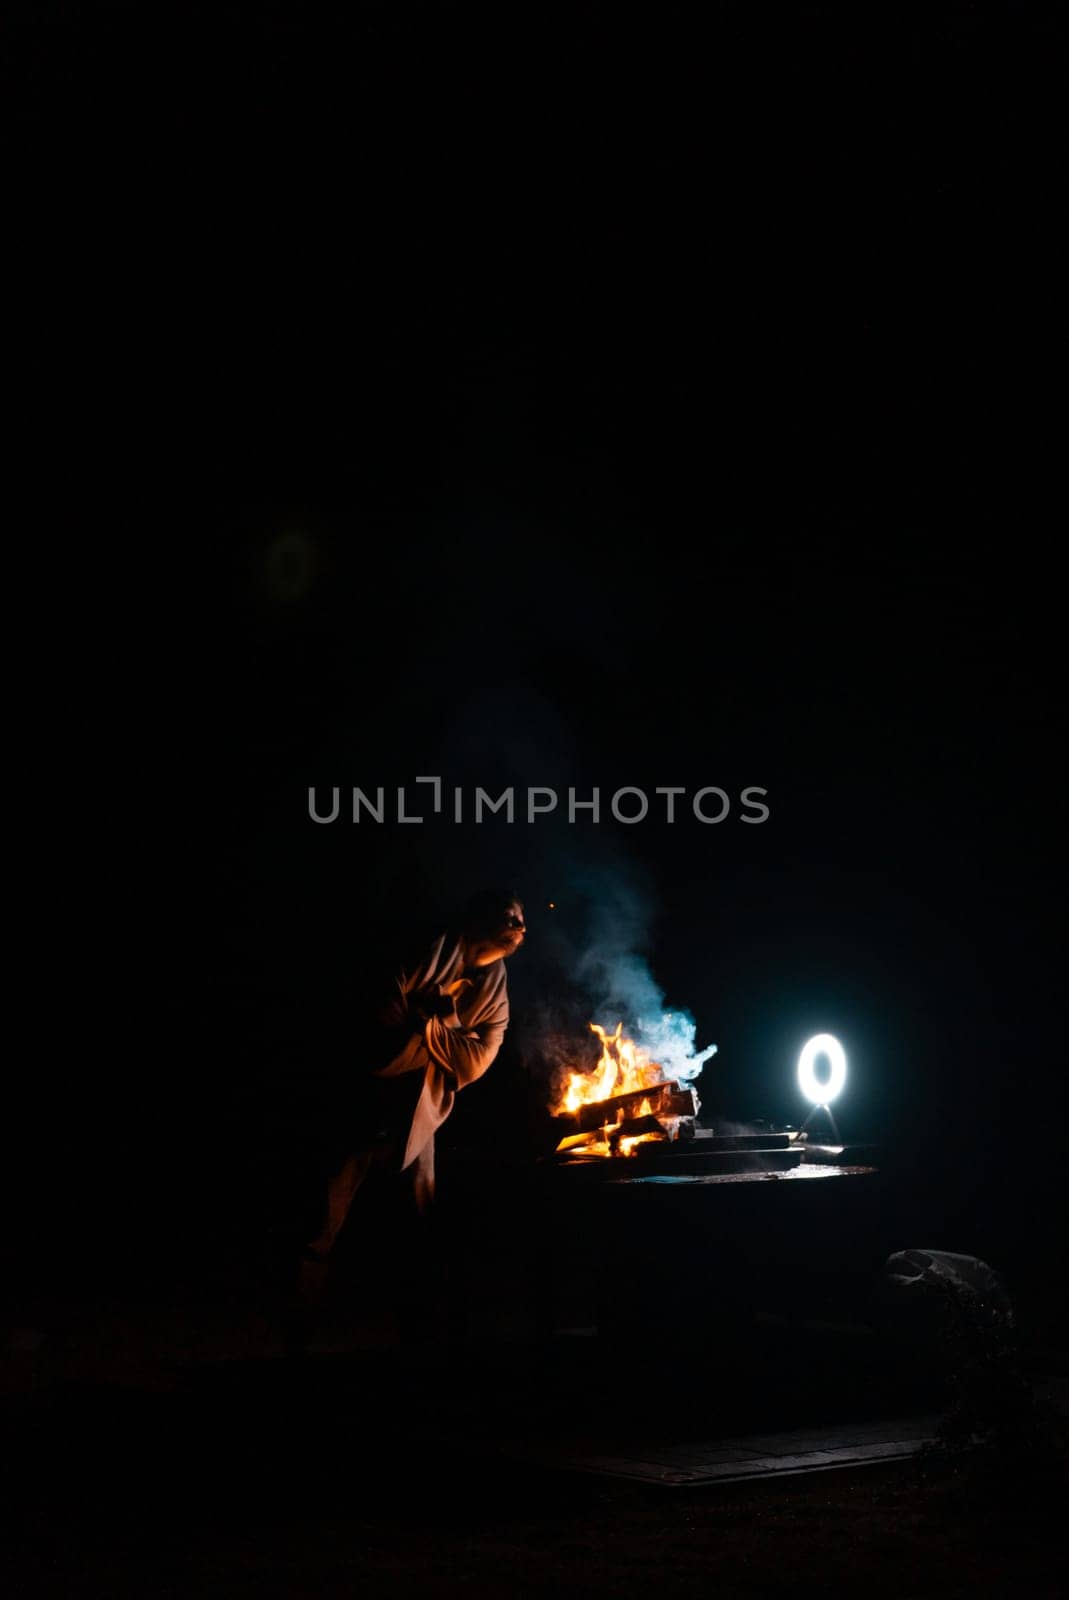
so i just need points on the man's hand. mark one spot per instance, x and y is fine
(456, 988)
(427, 1003)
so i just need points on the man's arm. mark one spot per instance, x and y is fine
(466, 1053)
(396, 1021)
(430, 1015)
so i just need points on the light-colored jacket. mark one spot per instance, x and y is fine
(449, 1051)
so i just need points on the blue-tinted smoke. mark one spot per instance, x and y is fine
(614, 973)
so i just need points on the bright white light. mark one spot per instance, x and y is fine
(822, 1044)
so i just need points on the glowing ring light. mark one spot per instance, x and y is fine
(822, 1044)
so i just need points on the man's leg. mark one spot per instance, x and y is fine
(341, 1188)
(314, 1262)
(422, 1179)
(421, 1287)
(443, 1267)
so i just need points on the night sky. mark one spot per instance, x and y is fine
(554, 398)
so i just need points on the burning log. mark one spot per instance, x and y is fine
(646, 1109)
(640, 1128)
(684, 1103)
(663, 1100)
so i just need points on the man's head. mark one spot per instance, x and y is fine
(493, 925)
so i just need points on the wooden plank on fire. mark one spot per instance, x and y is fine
(684, 1103)
(635, 1127)
(665, 1099)
(578, 1144)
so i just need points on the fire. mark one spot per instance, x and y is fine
(623, 1068)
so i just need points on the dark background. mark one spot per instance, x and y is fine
(553, 397)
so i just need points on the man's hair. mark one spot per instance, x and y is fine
(483, 913)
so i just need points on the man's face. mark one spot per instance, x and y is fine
(512, 929)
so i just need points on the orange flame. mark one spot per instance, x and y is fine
(622, 1068)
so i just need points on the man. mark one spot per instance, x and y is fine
(436, 1028)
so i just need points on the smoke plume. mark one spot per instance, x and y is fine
(590, 965)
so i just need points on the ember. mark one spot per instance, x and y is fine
(625, 1102)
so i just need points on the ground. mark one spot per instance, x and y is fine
(391, 1471)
